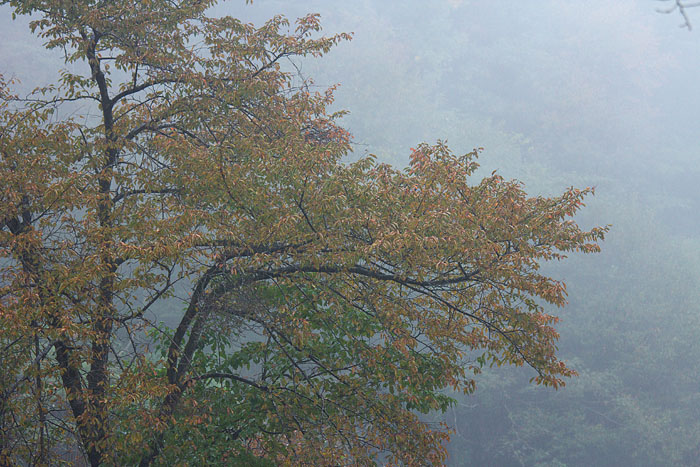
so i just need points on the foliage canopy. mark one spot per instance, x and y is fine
(325, 303)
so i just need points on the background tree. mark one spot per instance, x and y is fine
(325, 303)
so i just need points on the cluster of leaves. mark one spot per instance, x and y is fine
(327, 303)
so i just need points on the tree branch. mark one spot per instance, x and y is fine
(218, 375)
(681, 6)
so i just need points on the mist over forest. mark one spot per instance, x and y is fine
(588, 94)
(558, 94)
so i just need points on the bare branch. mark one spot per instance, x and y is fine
(681, 7)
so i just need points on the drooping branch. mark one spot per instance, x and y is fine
(361, 271)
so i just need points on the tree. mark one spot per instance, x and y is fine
(318, 306)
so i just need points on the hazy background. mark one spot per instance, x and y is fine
(559, 93)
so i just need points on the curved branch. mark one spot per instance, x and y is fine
(231, 376)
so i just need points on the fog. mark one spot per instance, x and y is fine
(589, 93)
(592, 93)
